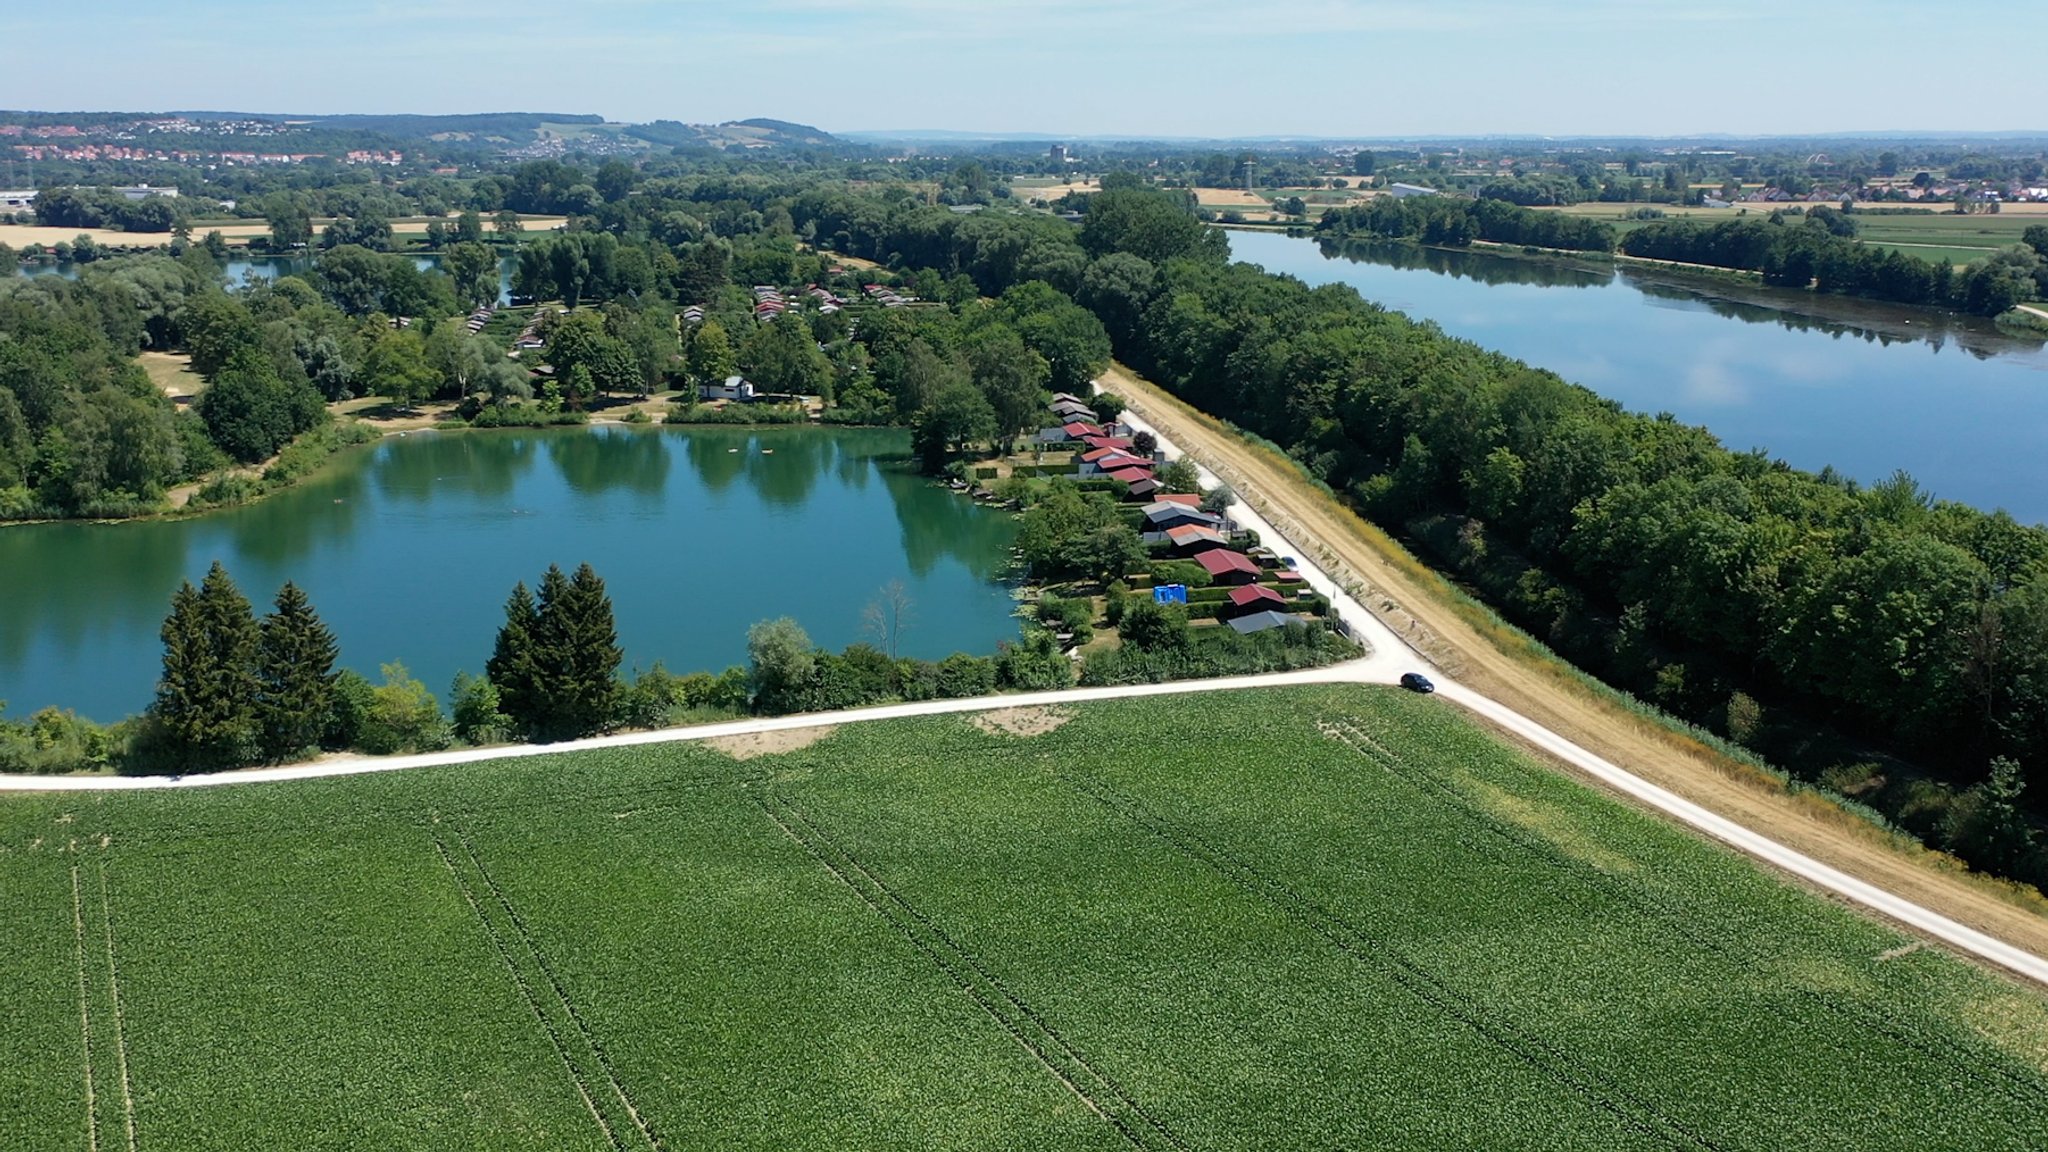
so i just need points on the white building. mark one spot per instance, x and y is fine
(1404, 191)
(17, 201)
(734, 388)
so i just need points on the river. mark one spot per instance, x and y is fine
(408, 549)
(1813, 381)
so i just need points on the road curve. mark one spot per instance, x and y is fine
(1389, 656)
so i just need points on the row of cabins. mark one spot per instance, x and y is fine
(479, 318)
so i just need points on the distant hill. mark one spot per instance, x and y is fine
(519, 126)
(754, 133)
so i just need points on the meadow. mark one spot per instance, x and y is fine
(1290, 918)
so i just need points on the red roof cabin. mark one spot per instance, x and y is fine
(1252, 598)
(1227, 567)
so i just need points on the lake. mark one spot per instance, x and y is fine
(410, 547)
(1866, 388)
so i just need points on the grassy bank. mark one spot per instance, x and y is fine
(1080, 931)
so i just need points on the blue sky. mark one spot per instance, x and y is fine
(1108, 67)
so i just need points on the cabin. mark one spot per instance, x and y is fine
(1073, 410)
(1142, 488)
(1166, 515)
(1102, 460)
(1262, 622)
(1193, 540)
(1250, 599)
(734, 388)
(1228, 568)
(1188, 499)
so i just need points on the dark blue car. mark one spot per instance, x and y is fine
(1416, 682)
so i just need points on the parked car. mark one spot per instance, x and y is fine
(1416, 682)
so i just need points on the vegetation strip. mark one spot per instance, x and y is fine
(1417, 979)
(1103, 1095)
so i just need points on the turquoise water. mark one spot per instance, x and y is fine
(409, 548)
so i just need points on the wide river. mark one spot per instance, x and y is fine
(409, 548)
(1813, 381)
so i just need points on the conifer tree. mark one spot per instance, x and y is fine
(205, 706)
(295, 675)
(511, 666)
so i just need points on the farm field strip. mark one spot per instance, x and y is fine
(1402, 969)
(101, 1019)
(1965, 1064)
(114, 995)
(555, 1012)
(1102, 1094)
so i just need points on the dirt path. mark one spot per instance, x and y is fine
(1421, 608)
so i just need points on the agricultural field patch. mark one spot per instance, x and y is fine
(1317, 917)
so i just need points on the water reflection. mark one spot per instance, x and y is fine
(409, 547)
(1465, 264)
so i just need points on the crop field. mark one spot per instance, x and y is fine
(1291, 918)
(1938, 236)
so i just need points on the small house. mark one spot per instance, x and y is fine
(1073, 410)
(1227, 567)
(1192, 540)
(1250, 599)
(734, 388)
(1142, 488)
(1186, 499)
(1166, 515)
(1130, 476)
(1262, 622)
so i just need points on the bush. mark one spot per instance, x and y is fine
(403, 717)
(961, 675)
(478, 719)
(1036, 665)
(692, 412)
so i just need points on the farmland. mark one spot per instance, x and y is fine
(1935, 236)
(1286, 918)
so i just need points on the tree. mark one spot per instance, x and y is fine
(474, 268)
(582, 342)
(398, 367)
(956, 417)
(469, 228)
(781, 663)
(1363, 163)
(205, 709)
(1987, 826)
(1180, 476)
(782, 357)
(403, 716)
(1011, 378)
(1151, 627)
(507, 225)
(887, 615)
(710, 358)
(251, 412)
(1072, 341)
(556, 661)
(294, 676)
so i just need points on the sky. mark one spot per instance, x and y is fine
(1133, 68)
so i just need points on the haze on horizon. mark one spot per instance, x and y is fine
(1136, 68)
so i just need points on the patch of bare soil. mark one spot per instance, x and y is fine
(1021, 721)
(753, 744)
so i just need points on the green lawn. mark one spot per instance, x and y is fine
(1942, 235)
(1303, 918)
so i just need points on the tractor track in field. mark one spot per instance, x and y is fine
(92, 1114)
(1648, 904)
(114, 998)
(534, 1006)
(561, 992)
(1100, 1092)
(1643, 1116)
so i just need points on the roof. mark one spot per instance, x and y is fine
(1078, 429)
(1059, 396)
(1144, 484)
(1220, 561)
(1130, 475)
(1262, 621)
(1122, 442)
(1118, 461)
(1255, 594)
(1287, 576)
(1175, 510)
(1187, 499)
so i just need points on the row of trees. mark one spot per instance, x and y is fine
(1811, 250)
(1456, 222)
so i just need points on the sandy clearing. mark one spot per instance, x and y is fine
(748, 745)
(1229, 198)
(172, 372)
(1026, 722)
(1419, 606)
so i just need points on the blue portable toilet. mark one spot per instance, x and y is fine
(1170, 594)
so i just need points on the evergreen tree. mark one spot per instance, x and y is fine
(577, 645)
(294, 674)
(511, 667)
(205, 706)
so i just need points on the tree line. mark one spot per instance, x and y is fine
(1811, 250)
(1456, 222)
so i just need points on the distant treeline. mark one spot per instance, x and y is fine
(1456, 222)
(1819, 249)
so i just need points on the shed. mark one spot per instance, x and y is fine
(1166, 515)
(1142, 488)
(1227, 567)
(1262, 622)
(734, 388)
(1250, 599)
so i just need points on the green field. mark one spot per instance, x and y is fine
(1301, 918)
(1942, 235)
